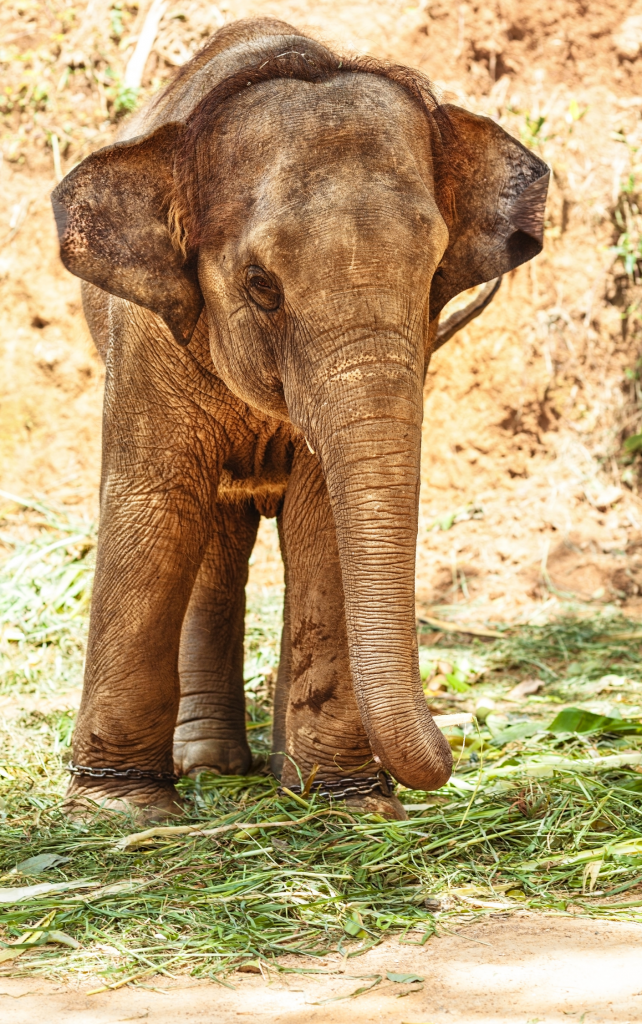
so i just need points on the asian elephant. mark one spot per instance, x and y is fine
(266, 252)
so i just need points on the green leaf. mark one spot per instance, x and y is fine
(580, 721)
(457, 681)
(444, 522)
(633, 444)
(42, 862)
(426, 669)
(353, 926)
(519, 731)
(125, 100)
(401, 978)
(62, 939)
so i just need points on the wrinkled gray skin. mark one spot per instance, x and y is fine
(305, 313)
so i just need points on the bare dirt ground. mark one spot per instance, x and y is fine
(529, 502)
(517, 971)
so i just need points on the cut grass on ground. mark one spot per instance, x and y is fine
(543, 812)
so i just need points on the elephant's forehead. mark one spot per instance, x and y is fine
(341, 164)
(289, 136)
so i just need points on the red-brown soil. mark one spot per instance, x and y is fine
(525, 410)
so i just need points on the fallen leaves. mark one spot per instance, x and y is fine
(17, 894)
(525, 689)
(37, 936)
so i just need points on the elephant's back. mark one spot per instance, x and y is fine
(234, 47)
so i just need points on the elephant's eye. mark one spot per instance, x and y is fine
(263, 290)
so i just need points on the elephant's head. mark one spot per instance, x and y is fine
(324, 213)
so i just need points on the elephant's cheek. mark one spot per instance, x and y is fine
(249, 372)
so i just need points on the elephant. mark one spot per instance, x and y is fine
(265, 254)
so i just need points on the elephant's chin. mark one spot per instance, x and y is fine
(140, 803)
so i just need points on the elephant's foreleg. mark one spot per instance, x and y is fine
(323, 724)
(158, 481)
(210, 730)
(148, 557)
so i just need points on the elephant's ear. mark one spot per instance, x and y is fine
(496, 190)
(112, 217)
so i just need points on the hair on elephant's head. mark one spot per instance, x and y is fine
(323, 212)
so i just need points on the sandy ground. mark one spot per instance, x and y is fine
(518, 971)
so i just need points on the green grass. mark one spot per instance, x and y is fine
(533, 817)
(45, 591)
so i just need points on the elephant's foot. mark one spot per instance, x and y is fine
(223, 757)
(144, 800)
(377, 803)
(380, 800)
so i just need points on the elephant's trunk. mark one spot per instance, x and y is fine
(370, 454)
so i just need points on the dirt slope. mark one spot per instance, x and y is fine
(526, 410)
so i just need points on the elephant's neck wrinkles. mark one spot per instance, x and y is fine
(258, 466)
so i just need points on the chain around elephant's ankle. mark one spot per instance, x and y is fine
(339, 789)
(120, 773)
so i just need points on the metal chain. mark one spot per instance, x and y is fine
(338, 789)
(333, 789)
(120, 773)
